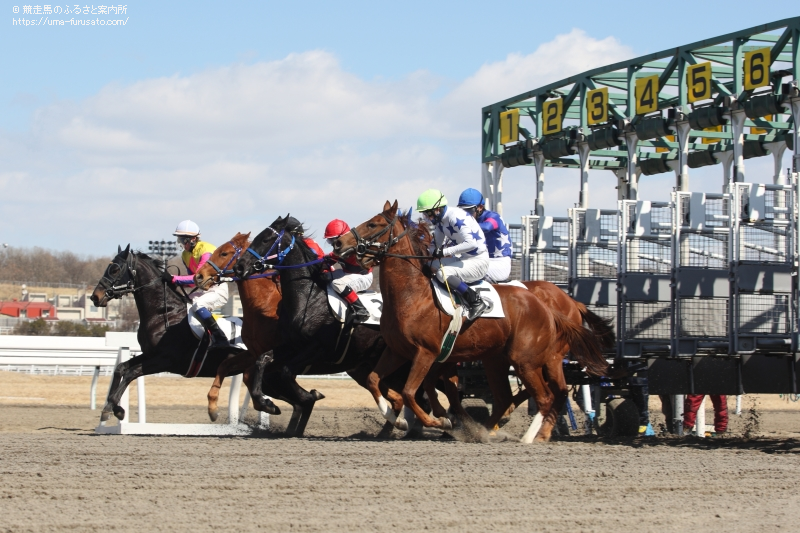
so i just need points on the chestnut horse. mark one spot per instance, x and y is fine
(260, 299)
(529, 337)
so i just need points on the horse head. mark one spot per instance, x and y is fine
(365, 240)
(221, 262)
(269, 247)
(117, 276)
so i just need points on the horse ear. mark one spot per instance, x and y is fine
(119, 249)
(391, 209)
(127, 248)
(394, 206)
(387, 205)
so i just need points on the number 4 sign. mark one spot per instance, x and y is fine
(646, 95)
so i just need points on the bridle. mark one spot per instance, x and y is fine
(114, 289)
(261, 263)
(369, 247)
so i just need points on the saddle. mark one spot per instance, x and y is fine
(230, 325)
(485, 289)
(372, 300)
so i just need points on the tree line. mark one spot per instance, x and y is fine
(45, 266)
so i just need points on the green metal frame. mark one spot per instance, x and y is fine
(725, 53)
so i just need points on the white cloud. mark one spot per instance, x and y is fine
(234, 147)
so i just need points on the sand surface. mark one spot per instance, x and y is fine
(58, 475)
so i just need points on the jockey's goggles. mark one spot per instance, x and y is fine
(183, 239)
(331, 240)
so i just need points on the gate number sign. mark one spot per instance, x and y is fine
(509, 126)
(756, 68)
(597, 106)
(646, 95)
(552, 115)
(698, 80)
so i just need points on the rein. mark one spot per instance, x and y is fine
(369, 247)
(114, 291)
(261, 262)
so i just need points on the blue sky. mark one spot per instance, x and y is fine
(121, 122)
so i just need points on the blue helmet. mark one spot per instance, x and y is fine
(470, 198)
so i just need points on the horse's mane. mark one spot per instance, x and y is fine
(157, 263)
(419, 235)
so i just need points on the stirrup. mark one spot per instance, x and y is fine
(476, 309)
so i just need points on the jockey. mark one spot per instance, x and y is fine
(195, 255)
(351, 277)
(494, 228)
(464, 262)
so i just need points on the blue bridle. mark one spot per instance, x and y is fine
(261, 261)
(226, 269)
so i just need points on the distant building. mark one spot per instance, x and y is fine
(28, 310)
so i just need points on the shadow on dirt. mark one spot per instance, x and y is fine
(764, 445)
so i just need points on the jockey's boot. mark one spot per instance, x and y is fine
(476, 304)
(360, 313)
(218, 338)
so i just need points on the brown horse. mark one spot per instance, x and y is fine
(260, 330)
(557, 301)
(259, 323)
(528, 337)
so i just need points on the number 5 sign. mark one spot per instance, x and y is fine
(756, 68)
(698, 80)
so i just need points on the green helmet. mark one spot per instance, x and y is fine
(431, 199)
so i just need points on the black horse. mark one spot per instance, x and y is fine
(313, 341)
(167, 342)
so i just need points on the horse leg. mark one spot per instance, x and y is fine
(260, 400)
(558, 389)
(429, 384)
(534, 381)
(229, 367)
(388, 363)
(496, 369)
(419, 369)
(124, 373)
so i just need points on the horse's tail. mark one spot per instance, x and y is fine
(583, 344)
(601, 326)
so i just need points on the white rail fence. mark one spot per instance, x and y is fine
(17, 352)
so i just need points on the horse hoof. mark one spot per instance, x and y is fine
(119, 412)
(104, 417)
(213, 415)
(265, 405)
(317, 395)
(446, 424)
(401, 424)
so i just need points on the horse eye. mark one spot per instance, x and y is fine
(224, 254)
(371, 225)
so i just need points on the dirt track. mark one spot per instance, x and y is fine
(57, 475)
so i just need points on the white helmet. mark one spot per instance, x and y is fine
(187, 228)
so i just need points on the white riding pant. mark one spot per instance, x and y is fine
(499, 269)
(358, 282)
(213, 298)
(466, 268)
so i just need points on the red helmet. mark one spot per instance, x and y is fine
(336, 228)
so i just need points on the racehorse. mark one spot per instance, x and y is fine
(529, 337)
(312, 340)
(167, 342)
(260, 299)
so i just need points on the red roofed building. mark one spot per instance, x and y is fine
(28, 309)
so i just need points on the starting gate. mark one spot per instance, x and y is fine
(702, 286)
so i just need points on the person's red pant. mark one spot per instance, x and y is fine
(692, 403)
